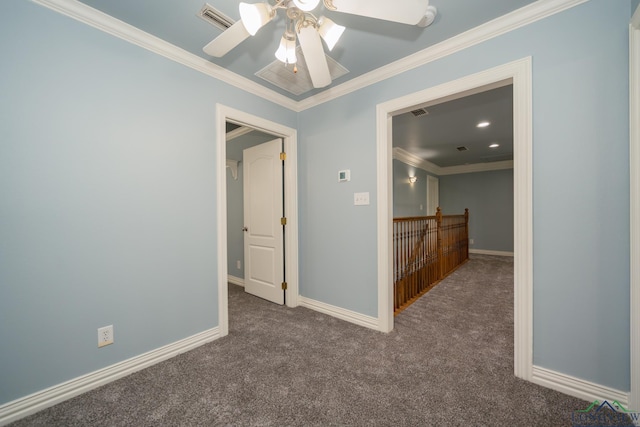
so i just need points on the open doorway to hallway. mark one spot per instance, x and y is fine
(518, 74)
(255, 236)
(463, 147)
(288, 136)
(237, 139)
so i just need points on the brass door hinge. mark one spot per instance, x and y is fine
(284, 286)
(283, 221)
(283, 156)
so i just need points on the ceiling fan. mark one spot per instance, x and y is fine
(308, 29)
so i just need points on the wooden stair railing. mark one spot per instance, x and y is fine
(410, 242)
(426, 249)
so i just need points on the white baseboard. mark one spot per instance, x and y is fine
(576, 387)
(235, 280)
(340, 313)
(38, 401)
(489, 252)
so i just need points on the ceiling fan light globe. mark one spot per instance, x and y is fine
(330, 31)
(255, 16)
(287, 51)
(306, 5)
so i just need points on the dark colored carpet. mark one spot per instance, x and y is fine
(448, 362)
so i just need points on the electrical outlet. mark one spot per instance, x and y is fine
(105, 336)
(471, 241)
(238, 265)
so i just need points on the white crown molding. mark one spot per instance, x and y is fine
(340, 313)
(415, 161)
(576, 387)
(237, 133)
(477, 167)
(35, 402)
(110, 25)
(519, 18)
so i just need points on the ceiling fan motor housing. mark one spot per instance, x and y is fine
(306, 5)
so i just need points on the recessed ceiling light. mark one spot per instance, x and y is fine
(494, 145)
(483, 124)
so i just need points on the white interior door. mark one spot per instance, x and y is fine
(263, 243)
(433, 194)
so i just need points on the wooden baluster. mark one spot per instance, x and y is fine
(439, 240)
(466, 233)
(399, 265)
(412, 268)
(425, 250)
(410, 244)
(404, 263)
(407, 254)
(396, 266)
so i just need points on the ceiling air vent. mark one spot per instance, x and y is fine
(420, 112)
(298, 83)
(462, 148)
(214, 17)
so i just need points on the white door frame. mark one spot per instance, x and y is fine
(634, 155)
(431, 209)
(289, 135)
(519, 74)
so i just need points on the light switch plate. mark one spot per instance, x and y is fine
(361, 199)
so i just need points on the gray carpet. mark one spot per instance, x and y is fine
(448, 362)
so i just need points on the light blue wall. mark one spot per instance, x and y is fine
(489, 198)
(337, 240)
(408, 199)
(235, 222)
(580, 198)
(107, 197)
(487, 195)
(107, 192)
(235, 201)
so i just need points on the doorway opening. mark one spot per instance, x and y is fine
(455, 158)
(250, 123)
(518, 74)
(255, 206)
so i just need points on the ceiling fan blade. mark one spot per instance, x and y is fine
(405, 11)
(314, 57)
(230, 38)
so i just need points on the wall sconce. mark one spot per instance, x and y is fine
(413, 179)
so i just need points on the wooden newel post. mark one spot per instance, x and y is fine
(466, 232)
(439, 242)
